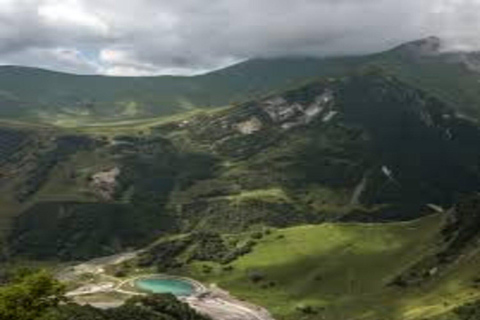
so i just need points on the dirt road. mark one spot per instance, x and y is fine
(220, 305)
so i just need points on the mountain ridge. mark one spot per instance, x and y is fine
(40, 95)
(427, 46)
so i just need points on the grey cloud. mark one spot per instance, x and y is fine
(191, 36)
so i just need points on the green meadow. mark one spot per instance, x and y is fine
(343, 271)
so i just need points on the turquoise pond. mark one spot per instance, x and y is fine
(157, 285)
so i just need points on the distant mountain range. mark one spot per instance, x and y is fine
(52, 97)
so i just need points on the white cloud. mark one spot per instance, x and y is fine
(70, 13)
(63, 59)
(113, 56)
(459, 22)
(145, 37)
(117, 62)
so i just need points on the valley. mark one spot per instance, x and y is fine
(343, 189)
(327, 270)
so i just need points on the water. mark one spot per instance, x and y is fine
(173, 286)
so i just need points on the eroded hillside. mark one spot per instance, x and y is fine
(361, 148)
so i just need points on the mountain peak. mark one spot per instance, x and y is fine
(424, 47)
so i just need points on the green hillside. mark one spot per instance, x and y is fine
(57, 98)
(66, 100)
(359, 148)
(334, 271)
(339, 271)
(421, 269)
(347, 196)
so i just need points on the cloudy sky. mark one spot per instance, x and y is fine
(146, 37)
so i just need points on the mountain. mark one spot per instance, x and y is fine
(339, 188)
(367, 147)
(58, 98)
(42, 95)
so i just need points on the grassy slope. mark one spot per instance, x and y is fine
(135, 126)
(53, 97)
(343, 269)
(353, 261)
(71, 100)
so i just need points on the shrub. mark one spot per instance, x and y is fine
(306, 309)
(257, 235)
(256, 276)
(228, 268)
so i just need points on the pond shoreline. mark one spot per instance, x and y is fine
(106, 291)
(130, 286)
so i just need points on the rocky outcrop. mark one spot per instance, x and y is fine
(105, 182)
(290, 115)
(430, 46)
(250, 126)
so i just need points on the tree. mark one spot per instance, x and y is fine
(30, 296)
